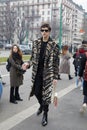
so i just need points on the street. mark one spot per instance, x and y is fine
(4, 53)
(22, 116)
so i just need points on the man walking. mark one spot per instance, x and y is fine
(45, 64)
(83, 73)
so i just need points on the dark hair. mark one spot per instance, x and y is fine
(19, 51)
(65, 47)
(45, 25)
(84, 42)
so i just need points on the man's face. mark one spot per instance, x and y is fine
(45, 32)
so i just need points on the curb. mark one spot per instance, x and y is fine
(3, 63)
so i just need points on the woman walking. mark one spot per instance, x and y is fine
(65, 63)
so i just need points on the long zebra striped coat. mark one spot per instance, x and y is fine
(51, 65)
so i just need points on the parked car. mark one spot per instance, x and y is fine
(25, 49)
(1, 45)
(8, 46)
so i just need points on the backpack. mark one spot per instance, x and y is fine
(85, 70)
(8, 65)
(77, 60)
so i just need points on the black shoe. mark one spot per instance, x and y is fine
(59, 79)
(3, 83)
(11, 101)
(39, 111)
(44, 120)
(18, 99)
(70, 78)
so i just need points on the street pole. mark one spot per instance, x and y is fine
(60, 29)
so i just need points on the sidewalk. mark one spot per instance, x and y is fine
(65, 117)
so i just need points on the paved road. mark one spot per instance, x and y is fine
(22, 116)
(65, 117)
(4, 53)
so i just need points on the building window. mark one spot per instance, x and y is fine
(43, 6)
(48, 5)
(48, 12)
(38, 1)
(42, 12)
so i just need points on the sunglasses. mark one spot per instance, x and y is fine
(44, 30)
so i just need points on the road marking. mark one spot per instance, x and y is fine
(5, 75)
(18, 118)
(66, 91)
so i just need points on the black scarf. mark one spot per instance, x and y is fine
(16, 56)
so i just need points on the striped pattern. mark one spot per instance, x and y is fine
(50, 71)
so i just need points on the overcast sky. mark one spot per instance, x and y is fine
(82, 2)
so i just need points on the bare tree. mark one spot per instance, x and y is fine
(10, 23)
(21, 30)
(55, 29)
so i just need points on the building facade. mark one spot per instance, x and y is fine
(29, 14)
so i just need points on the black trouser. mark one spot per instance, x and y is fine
(14, 93)
(17, 96)
(85, 99)
(12, 97)
(38, 92)
(85, 91)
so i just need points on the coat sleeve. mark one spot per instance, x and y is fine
(14, 64)
(82, 65)
(56, 62)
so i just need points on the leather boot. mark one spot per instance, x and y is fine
(59, 77)
(12, 97)
(17, 96)
(45, 119)
(45, 115)
(39, 111)
(70, 77)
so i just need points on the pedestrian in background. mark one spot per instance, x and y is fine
(16, 73)
(65, 62)
(77, 61)
(83, 73)
(44, 61)
(1, 86)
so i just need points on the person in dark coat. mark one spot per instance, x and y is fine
(77, 61)
(16, 73)
(45, 65)
(81, 73)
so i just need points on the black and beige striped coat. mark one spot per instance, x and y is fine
(51, 65)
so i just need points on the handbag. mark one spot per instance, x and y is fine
(54, 96)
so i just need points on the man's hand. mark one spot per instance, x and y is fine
(25, 66)
(55, 82)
